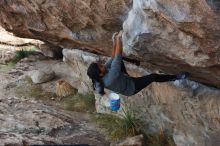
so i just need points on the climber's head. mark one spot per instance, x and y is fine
(95, 73)
(96, 70)
(102, 69)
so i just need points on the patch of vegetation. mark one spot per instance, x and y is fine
(80, 102)
(28, 89)
(117, 128)
(160, 139)
(20, 54)
(129, 125)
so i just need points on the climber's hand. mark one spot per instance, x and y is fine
(119, 35)
(114, 37)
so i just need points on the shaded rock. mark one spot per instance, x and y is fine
(51, 50)
(41, 76)
(133, 141)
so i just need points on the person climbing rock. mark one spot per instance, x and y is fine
(113, 75)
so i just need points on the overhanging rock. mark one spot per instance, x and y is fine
(170, 36)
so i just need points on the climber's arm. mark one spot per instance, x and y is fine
(108, 63)
(113, 49)
(114, 44)
(118, 48)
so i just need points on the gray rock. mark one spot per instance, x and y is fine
(41, 76)
(133, 141)
(51, 50)
(102, 104)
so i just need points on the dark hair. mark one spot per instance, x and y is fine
(93, 73)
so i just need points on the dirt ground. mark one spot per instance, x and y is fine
(27, 120)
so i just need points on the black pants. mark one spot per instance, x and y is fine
(123, 69)
(144, 81)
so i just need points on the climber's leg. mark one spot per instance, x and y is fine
(142, 82)
(123, 69)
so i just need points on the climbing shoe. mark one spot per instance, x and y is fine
(182, 75)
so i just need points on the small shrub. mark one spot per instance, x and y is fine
(111, 125)
(20, 54)
(131, 124)
(117, 128)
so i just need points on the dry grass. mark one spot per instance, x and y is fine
(80, 103)
(28, 89)
(129, 125)
(118, 128)
(159, 139)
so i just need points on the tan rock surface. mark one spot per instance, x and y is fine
(85, 23)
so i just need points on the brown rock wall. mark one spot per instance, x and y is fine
(167, 35)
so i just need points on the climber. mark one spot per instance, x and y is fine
(113, 75)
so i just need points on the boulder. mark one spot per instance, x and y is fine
(41, 76)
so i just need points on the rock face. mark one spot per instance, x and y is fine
(51, 50)
(186, 110)
(168, 35)
(84, 23)
(176, 35)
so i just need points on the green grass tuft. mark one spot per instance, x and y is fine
(131, 124)
(118, 128)
(20, 54)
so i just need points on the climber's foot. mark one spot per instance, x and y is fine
(182, 75)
